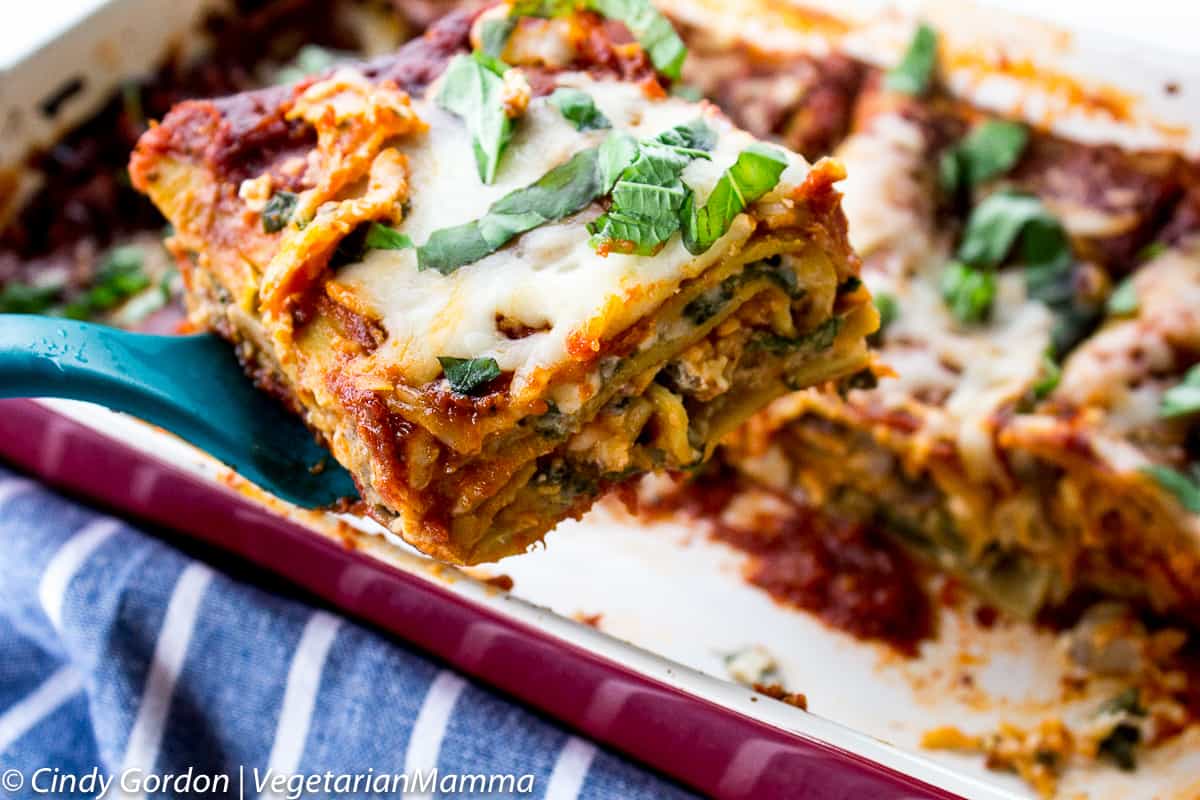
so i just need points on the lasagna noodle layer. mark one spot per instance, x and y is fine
(611, 366)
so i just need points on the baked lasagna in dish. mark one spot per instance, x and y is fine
(506, 269)
(1038, 437)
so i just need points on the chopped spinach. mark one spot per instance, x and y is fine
(278, 211)
(819, 338)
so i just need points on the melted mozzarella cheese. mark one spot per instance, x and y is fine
(549, 279)
(956, 376)
(884, 198)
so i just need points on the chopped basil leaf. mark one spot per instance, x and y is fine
(472, 89)
(968, 292)
(755, 173)
(381, 237)
(1184, 397)
(24, 298)
(619, 232)
(1184, 487)
(278, 211)
(989, 150)
(1123, 302)
(493, 36)
(564, 190)
(650, 196)
(1049, 378)
(119, 277)
(469, 375)
(617, 152)
(579, 108)
(889, 311)
(1000, 220)
(696, 137)
(651, 29)
(914, 73)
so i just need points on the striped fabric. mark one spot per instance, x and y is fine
(120, 656)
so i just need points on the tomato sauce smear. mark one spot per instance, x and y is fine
(850, 575)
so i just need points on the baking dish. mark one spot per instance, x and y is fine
(657, 591)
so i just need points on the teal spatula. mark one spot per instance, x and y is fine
(190, 385)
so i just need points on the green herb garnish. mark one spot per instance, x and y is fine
(755, 173)
(654, 33)
(1184, 487)
(915, 71)
(381, 237)
(278, 211)
(649, 199)
(968, 292)
(1048, 379)
(469, 375)
(1004, 222)
(564, 190)
(473, 90)
(651, 29)
(494, 34)
(991, 149)
(1123, 302)
(1002, 219)
(25, 298)
(119, 277)
(580, 109)
(889, 311)
(1184, 397)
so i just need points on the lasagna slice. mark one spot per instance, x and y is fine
(505, 270)
(1038, 438)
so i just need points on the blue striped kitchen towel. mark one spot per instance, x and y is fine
(130, 669)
